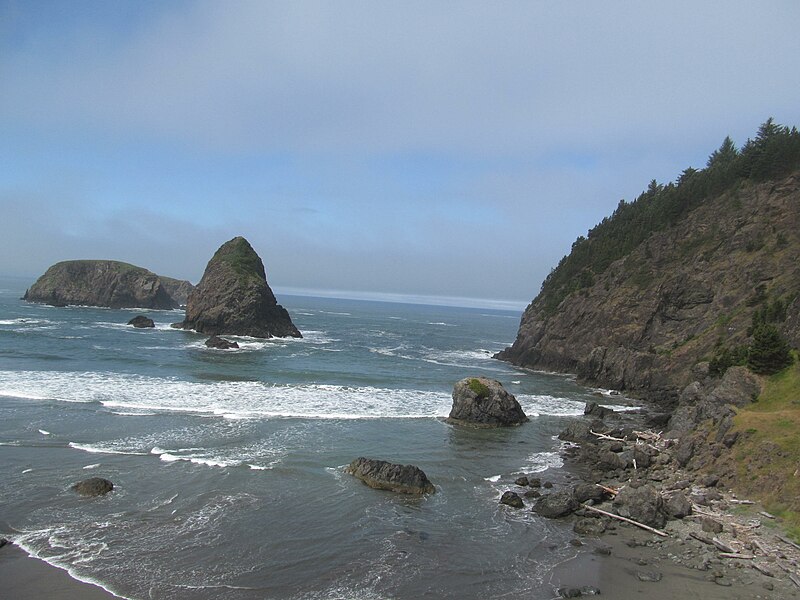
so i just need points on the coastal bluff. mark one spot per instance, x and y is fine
(105, 283)
(233, 297)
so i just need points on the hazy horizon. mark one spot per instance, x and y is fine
(413, 150)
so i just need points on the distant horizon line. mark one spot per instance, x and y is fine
(400, 298)
(396, 297)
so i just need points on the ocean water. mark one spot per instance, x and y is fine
(228, 465)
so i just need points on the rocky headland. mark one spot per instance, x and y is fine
(687, 298)
(234, 298)
(106, 283)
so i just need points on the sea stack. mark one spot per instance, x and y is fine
(107, 283)
(233, 297)
(484, 403)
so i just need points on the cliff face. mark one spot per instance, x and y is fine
(106, 283)
(651, 316)
(179, 289)
(233, 297)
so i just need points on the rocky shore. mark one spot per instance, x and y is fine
(684, 530)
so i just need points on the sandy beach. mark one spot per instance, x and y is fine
(26, 577)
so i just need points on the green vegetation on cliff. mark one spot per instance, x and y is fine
(767, 453)
(774, 152)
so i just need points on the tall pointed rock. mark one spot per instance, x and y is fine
(233, 297)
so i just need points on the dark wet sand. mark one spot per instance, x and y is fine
(23, 577)
(615, 575)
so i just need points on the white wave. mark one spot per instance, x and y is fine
(94, 466)
(258, 467)
(27, 471)
(441, 324)
(101, 449)
(342, 314)
(543, 404)
(43, 432)
(493, 478)
(541, 461)
(48, 539)
(231, 399)
(26, 321)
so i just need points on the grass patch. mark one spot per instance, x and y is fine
(479, 388)
(768, 456)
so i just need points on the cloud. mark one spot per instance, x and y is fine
(376, 77)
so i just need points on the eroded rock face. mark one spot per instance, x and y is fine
(643, 504)
(94, 486)
(652, 315)
(107, 283)
(483, 402)
(179, 289)
(382, 475)
(233, 297)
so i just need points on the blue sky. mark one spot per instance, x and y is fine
(417, 148)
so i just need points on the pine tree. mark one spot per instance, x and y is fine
(769, 352)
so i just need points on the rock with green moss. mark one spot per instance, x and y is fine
(233, 297)
(107, 283)
(483, 402)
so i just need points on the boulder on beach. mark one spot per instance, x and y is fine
(94, 486)
(483, 402)
(141, 322)
(556, 505)
(382, 475)
(220, 343)
(233, 297)
(643, 504)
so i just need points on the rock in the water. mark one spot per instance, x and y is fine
(512, 499)
(141, 322)
(220, 343)
(643, 504)
(483, 402)
(555, 505)
(108, 283)
(233, 297)
(94, 486)
(593, 409)
(382, 475)
(523, 481)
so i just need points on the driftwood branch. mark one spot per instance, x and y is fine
(736, 555)
(722, 547)
(608, 490)
(762, 570)
(603, 436)
(788, 541)
(764, 513)
(625, 519)
(794, 579)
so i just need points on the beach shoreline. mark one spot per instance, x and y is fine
(25, 576)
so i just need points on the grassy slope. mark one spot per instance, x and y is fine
(768, 452)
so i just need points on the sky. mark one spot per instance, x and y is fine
(375, 149)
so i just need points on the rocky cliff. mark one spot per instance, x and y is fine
(233, 297)
(671, 280)
(107, 283)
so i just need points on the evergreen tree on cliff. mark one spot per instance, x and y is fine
(233, 297)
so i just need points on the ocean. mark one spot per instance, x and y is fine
(228, 465)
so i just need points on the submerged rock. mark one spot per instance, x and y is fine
(94, 486)
(382, 475)
(483, 402)
(141, 322)
(220, 343)
(233, 297)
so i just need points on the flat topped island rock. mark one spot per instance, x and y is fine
(483, 402)
(233, 297)
(382, 475)
(108, 283)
